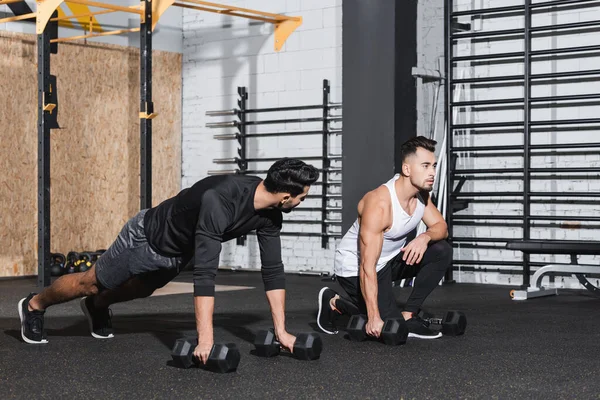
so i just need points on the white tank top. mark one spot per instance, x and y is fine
(347, 253)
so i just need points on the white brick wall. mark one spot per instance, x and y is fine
(222, 53)
(430, 49)
(565, 230)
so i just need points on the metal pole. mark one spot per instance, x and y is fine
(326, 163)
(146, 107)
(526, 138)
(448, 70)
(242, 161)
(43, 159)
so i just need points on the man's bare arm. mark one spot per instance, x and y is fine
(373, 214)
(437, 229)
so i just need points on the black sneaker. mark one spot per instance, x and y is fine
(419, 328)
(326, 316)
(32, 322)
(99, 319)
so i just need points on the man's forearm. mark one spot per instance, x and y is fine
(369, 289)
(276, 300)
(204, 306)
(437, 231)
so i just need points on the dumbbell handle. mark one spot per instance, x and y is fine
(434, 321)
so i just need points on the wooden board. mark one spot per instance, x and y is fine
(94, 157)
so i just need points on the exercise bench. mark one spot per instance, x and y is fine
(572, 248)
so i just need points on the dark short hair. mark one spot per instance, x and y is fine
(410, 146)
(290, 175)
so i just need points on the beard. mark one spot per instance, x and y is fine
(284, 209)
(425, 187)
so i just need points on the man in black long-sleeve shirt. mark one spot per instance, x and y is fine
(186, 229)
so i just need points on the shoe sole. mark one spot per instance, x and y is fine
(319, 313)
(416, 335)
(90, 323)
(27, 340)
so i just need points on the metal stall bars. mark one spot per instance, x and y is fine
(242, 160)
(149, 11)
(527, 127)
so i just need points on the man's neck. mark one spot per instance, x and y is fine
(262, 198)
(404, 189)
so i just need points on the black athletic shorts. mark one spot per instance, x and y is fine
(130, 255)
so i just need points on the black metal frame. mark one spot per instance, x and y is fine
(243, 160)
(146, 107)
(459, 201)
(44, 129)
(47, 121)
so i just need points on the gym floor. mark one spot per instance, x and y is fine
(541, 348)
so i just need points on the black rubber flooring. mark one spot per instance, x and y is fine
(544, 348)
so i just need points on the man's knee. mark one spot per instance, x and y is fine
(154, 280)
(89, 283)
(442, 250)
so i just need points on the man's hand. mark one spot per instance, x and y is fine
(287, 341)
(202, 350)
(414, 250)
(374, 327)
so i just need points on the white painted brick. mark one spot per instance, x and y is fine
(313, 79)
(271, 63)
(292, 6)
(321, 38)
(262, 83)
(223, 53)
(332, 58)
(332, 17)
(320, 4)
(312, 19)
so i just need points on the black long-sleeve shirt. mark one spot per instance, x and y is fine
(195, 222)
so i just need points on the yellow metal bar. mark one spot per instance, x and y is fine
(284, 24)
(9, 1)
(17, 18)
(283, 30)
(158, 9)
(59, 19)
(278, 17)
(226, 12)
(144, 115)
(135, 10)
(118, 32)
(76, 16)
(84, 21)
(45, 9)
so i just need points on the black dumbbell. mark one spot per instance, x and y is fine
(394, 331)
(222, 358)
(454, 323)
(308, 346)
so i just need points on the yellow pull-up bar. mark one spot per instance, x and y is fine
(284, 25)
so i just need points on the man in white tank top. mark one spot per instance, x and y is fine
(377, 249)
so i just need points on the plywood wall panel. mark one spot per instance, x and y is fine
(95, 156)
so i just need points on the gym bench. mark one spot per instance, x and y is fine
(573, 248)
